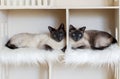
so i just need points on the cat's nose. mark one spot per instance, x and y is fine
(76, 39)
(60, 38)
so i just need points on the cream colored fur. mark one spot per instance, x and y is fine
(24, 40)
(84, 41)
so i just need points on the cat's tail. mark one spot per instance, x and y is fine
(114, 41)
(7, 44)
(11, 46)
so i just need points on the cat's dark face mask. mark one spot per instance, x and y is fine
(76, 34)
(57, 34)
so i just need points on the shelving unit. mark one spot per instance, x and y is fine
(34, 16)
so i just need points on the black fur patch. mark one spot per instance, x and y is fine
(47, 47)
(100, 48)
(80, 47)
(64, 49)
(11, 46)
(114, 41)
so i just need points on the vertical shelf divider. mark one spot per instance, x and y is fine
(67, 28)
(3, 27)
(117, 71)
(119, 27)
(117, 66)
(49, 70)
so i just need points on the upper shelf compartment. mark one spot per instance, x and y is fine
(86, 3)
(11, 4)
(57, 4)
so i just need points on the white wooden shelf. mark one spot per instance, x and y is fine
(107, 7)
(16, 16)
(36, 7)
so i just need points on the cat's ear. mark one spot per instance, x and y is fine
(82, 29)
(71, 28)
(51, 29)
(61, 26)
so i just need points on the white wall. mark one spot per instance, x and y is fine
(94, 19)
(3, 24)
(33, 21)
(38, 20)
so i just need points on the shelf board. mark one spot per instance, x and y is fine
(27, 7)
(42, 7)
(100, 7)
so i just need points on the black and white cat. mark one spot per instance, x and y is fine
(54, 40)
(94, 39)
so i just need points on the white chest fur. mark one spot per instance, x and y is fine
(47, 40)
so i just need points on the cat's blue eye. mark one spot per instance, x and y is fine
(80, 35)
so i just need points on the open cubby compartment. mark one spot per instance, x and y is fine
(86, 3)
(28, 21)
(24, 72)
(62, 71)
(95, 19)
